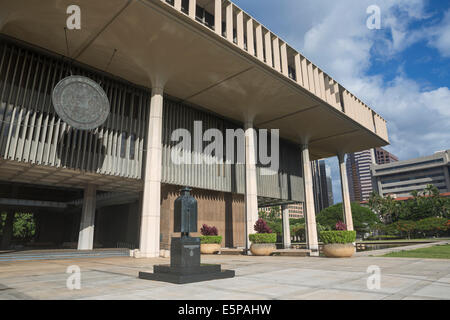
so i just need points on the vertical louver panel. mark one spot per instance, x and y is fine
(31, 131)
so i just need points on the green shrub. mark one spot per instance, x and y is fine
(211, 239)
(338, 237)
(263, 238)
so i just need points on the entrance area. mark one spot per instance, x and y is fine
(36, 217)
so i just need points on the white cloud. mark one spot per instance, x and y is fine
(441, 36)
(334, 35)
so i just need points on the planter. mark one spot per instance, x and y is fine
(210, 248)
(262, 249)
(339, 250)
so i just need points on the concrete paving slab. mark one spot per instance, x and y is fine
(256, 278)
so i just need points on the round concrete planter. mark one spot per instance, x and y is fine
(210, 248)
(262, 249)
(339, 250)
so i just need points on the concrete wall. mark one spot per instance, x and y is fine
(223, 210)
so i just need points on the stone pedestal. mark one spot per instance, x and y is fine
(185, 266)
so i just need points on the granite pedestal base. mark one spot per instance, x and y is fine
(185, 265)
(176, 275)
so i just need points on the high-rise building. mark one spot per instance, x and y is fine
(321, 186)
(382, 156)
(401, 178)
(359, 174)
(330, 191)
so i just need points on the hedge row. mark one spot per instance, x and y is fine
(263, 238)
(211, 239)
(328, 237)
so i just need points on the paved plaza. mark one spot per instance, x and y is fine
(256, 278)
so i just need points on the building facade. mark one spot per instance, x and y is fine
(187, 62)
(321, 185)
(382, 156)
(358, 170)
(399, 179)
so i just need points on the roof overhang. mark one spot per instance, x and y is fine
(157, 45)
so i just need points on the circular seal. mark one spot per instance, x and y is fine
(80, 102)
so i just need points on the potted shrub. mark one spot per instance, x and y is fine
(263, 242)
(210, 241)
(338, 243)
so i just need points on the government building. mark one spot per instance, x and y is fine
(164, 66)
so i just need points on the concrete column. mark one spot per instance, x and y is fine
(151, 198)
(218, 17)
(284, 59)
(298, 69)
(240, 29)
(8, 230)
(251, 188)
(177, 5)
(250, 38)
(286, 227)
(276, 54)
(259, 43)
(268, 40)
(229, 22)
(310, 216)
(192, 8)
(346, 204)
(86, 234)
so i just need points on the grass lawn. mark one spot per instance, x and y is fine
(436, 252)
(406, 240)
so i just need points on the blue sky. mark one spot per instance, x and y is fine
(401, 70)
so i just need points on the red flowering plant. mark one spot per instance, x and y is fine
(264, 233)
(208, 231)
(340, 226)
(340, 235)
(210, 235)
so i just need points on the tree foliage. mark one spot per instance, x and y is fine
(364, 219)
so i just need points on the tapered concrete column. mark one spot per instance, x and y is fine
(268, 41)
(151, 198)
(284, 59)
(276, 54)
(259, 43)
(346, 204)
(177, 5)
(286, 227)
(192, 8)
(8, 230)
(218, 16)
(250, 38)
(229, 22)
(251, 188)
(240, 29)
(298, 69)
(312, 242)
(86, 235)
